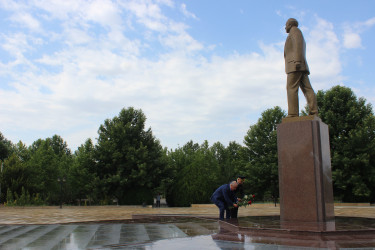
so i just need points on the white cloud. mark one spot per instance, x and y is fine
(147, 13)
(369, 23)
(184, 95)
(105, 13)
(16, 45)
(169, 3)
(186, 12)
(27, 20)
(12, 5)
(323, 55)
(182, 41)
(61, 9)
(352, 40)
(352, 32)
(77, 37)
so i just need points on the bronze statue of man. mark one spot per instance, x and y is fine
(297, 70)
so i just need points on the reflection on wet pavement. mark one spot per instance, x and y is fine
(54, 215)
(349, 233)
(91, 236)
(186, 232)
(135, 227)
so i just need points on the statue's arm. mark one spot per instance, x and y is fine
(298, 48)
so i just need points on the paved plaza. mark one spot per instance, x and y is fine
(110, 227)
(68, 214)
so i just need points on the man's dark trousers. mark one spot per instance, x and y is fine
(234, 212)
(222, 208)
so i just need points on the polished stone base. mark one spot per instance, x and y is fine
(350, 233)
(305, 179)
(301, 118)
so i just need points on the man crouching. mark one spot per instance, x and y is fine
(224, 197)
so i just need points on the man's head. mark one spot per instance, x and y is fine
(233, 185)
(290, 23)
(240, 179)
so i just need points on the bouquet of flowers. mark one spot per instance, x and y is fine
(246, 200)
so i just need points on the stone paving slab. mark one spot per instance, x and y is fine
(54, 215)
(88, 236)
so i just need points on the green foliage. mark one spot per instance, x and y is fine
(50, 160)
(198, 170)
(15, 175)
(194, 167)
(128, 156)
(10, 198)
(24, 200)
(228, 159)
(138, 196)
(352, 139)
(32, 173)
(22, 152)
(260, 154)
(128, 163)
(5, 147)
(82, 173)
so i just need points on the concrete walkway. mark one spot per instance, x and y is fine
(54, 215)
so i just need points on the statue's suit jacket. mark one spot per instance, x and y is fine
(295, 51)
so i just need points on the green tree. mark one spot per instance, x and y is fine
(50, 160)
(225, 172)
(22, 151)
(82, 174)
(228, 159)
(130, 160)
(59, 146)
(201, 176)
(196, 174)
(15, 176)
(178, 160)
(260, 154)
(352, 132)
(5, 147)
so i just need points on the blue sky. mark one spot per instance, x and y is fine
(199, 70)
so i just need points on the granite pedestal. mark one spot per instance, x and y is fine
(305, 179)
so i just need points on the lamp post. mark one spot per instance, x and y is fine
(61, 181)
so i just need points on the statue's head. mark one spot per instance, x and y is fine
(292, 22)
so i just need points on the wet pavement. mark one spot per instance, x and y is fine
(97, 236)
(53, 215)
(133, 227)
(186, 232)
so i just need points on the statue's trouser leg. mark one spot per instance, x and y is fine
(309, 94)
(292, 84)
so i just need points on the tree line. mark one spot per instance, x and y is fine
(127, 165)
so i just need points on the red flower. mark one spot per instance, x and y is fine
(249, 202)
(253, 196)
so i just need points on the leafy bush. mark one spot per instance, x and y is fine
(137, 196)
(24, 200)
